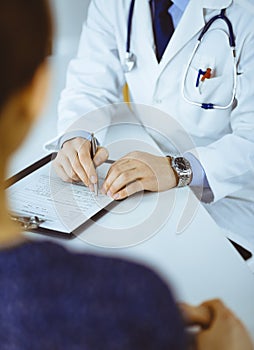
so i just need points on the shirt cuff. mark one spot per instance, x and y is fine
(72, 135)
(199, 178)
(199, 183)
(57, 143)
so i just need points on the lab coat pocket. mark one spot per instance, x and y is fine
(215, 89)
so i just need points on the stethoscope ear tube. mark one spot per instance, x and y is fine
(130, 58)
(222, 16)
(208, 106)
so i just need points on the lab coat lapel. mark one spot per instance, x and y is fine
(191, 23)
(216, 4)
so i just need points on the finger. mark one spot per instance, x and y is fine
(87, 164)
(67, 167)
(79, 142)
(130, 189)
(78, 168)
(101, 156)
(61, 173)
(195, 315)
(213, 303)
(73, 150)
(61, 164)
(115, 171)
(218, 309)
(123, 180)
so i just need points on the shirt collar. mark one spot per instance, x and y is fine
(181, 4)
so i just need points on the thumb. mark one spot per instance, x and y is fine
(101, 156)
(195, 315)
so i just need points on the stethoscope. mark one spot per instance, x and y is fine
(231, 38)
(130, 58)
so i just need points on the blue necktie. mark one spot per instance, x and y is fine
(163, 26)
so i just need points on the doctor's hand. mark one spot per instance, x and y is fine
(74, 163)
(138, 171)
(220, 329)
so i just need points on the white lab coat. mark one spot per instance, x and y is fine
(224, 139)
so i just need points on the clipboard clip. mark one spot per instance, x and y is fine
(28, 222)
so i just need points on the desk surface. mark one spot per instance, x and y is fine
(199, 262)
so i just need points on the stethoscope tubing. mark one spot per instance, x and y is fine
(206, 105)
(130, 59)
(231, 38)
(129, 27)
(222, 16)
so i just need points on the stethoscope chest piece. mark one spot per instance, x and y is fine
(129, 62)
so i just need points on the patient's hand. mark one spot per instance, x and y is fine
(220, 328)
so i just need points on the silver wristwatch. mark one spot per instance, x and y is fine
(182, 169)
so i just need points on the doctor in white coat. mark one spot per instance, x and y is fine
(223, 156)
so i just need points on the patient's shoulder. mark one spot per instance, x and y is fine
(103, 300)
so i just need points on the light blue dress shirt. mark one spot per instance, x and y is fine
(177, 9)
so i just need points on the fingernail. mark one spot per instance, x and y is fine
(109, 194)
(116, 196)
(93, 179)
(103, 191)
(98, 160)
(91, 188)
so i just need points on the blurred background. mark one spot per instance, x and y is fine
(69, 16)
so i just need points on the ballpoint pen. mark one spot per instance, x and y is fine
(93, 152)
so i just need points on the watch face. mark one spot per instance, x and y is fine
(183, 171)
(182, 164)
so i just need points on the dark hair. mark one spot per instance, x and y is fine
(25, 36)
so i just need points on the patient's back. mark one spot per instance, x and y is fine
(51, 299)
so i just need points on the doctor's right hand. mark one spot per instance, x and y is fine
(74, 163)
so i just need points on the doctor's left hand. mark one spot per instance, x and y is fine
(138, 171)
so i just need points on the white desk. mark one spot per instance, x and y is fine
(200, 263)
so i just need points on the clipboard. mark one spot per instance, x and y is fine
(33, 222)
(121, 139)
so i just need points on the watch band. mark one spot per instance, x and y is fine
(182, 169)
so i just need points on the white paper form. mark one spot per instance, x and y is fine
(63, 206)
